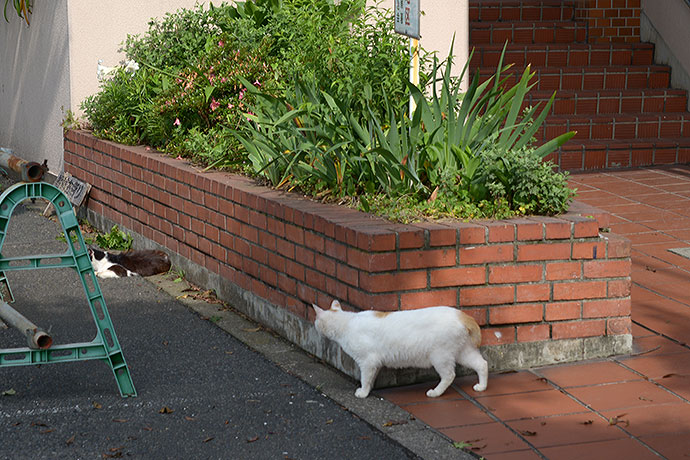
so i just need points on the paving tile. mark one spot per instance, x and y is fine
(649, 237)
(649, 345)
(670, 282)
(618, 449)
(679, 384)
(662, 419)
(627, 228)
(660, 314)
(591, 373)
(657, 366)
(487, 438)
(567, 429)
(622, 395)
(661, 251)
(506, 383)
(516, 455)
(532, 404)
(670, 446)
(445, 414)
(411, 394)
(639, 331)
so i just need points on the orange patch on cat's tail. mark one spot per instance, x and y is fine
(381, 314)
(472, 328)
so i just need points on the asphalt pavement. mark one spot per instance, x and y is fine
(211, 384)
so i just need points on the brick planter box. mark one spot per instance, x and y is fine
(543, 289)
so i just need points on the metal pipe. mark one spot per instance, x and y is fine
(29, 170)
(37, 338)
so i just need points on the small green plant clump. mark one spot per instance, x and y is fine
(115, 239)
(312, 96)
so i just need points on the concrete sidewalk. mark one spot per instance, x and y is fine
(632, 407)
(202, 393)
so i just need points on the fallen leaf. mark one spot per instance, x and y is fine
(618, 420)
(256, 329)
(229, 352)
(147, 428)
(329, 421)
(70, 440)
(395, 422)
(10, 392)
(587, 422)
(188, 418)
(38, 424)
(255, 438)
(208, 439)
(643, 398)
(96, 405)
(528, 433)
(115, 449)
(166, 410)
(668, 375)
(49, 430)
(365, 438)
(462, 445)
(120, 420)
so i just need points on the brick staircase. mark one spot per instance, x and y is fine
(608, 88)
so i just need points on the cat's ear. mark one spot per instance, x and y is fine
(335, 305)
(317, 310)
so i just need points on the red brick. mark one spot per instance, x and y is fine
(306, 293)
(577, 329)
(347, 274)
(562, 311)
(372, 262)
(367, 301)
(487, 295)
(392, 282)
(376, 241)
(427, 258)
(563, 270)
(533, 333)
(293, 233)
(533, 292)
(525, 313)
(498, 335)
(500, 232)
(411, 239)
(606, 308)
(618, 246)
(529, 230)
(471, 233)
(619, 288)
(479, 314)
(607, 268)
(579, 290)
(314, 241)
(557, 230)
(618, 326)
(502, 274)
(589, 250)
(543, 251)
(484, 254)
(412, 300)
(325, 264)
(586, 229)
(462, 276)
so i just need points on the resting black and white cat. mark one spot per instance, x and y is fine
(437, 337)
(144, 262)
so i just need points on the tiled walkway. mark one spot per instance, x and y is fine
(626, 407)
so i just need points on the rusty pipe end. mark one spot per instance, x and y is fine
(39, 339)
(32, 172)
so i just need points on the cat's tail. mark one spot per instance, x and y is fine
(472, 327)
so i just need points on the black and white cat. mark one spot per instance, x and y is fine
(144, 262)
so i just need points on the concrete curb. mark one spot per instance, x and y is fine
(381, 414)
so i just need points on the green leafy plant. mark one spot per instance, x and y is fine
(115, 239)
(22, 7)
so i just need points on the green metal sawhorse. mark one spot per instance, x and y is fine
(105, 345)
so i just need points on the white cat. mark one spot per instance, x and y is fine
(435, 336)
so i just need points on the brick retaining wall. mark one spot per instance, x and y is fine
(543, 289)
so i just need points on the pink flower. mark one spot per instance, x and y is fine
(257, 83)
(230, 105)
(241, 96)
(214, 104)
(221, 43)
(177, 122)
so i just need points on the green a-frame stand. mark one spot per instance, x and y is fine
(105, 345)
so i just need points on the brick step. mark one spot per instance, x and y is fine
(589, 102)
(591, 78)
(527, 32)
(580, 156)
(565, 54)
(617, 126)
(515, 10)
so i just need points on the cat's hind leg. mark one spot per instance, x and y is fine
(368, 373)
(445, 366)
(474, 360)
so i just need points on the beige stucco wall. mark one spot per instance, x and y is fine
(667, 25)
(440, 20)
(51, 65)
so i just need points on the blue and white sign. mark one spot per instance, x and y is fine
(407, 17)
